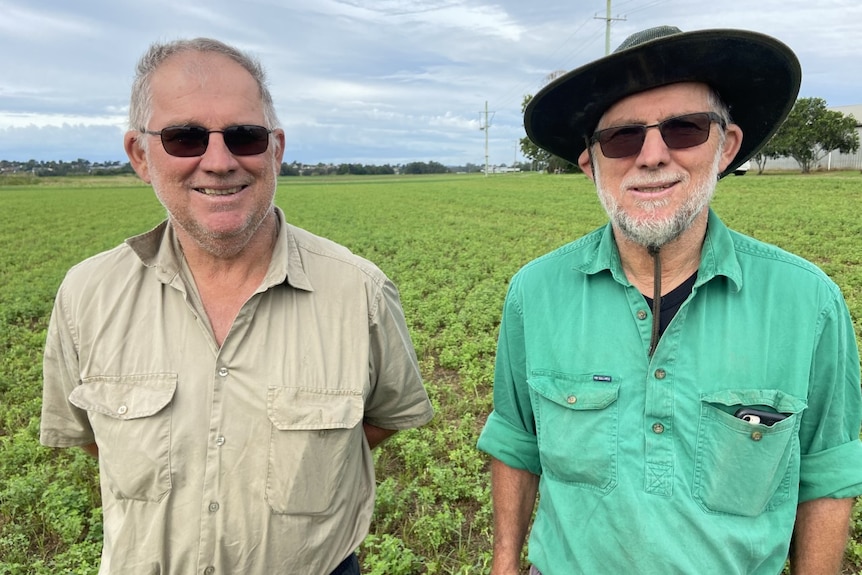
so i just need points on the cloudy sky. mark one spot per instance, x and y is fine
(368, 81)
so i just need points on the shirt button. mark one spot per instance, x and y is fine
(572, 399)
(220, 440)
(658, 428)
(222, 371)
(756, 436)
(209, 571)
(213, 507)
(642, 314)
(660, 374)
(122, 410)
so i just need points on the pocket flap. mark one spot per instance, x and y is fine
(125, 396)
(576, 392)
(306, 408)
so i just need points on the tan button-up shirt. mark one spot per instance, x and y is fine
(249, 458)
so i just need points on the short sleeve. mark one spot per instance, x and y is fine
(63, 424)
(398, 399)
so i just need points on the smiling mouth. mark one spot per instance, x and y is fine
(219, 191)
(653, 188)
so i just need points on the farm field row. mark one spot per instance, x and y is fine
(450, 243)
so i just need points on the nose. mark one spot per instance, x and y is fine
(654, 152)
(217, 157)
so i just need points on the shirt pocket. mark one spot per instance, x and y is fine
(314, 443)
(131, 420)
(577, 422)
(743, 468)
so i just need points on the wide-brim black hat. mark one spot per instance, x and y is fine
(757, 76)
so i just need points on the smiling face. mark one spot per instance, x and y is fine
(655, 196)
(217, 200)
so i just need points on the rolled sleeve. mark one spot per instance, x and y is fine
(831, 461)
(510, 444)
(509, 433)
(822, 473)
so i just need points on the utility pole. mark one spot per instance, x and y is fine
(484, 128)
(608, 20)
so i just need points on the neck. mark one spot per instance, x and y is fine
(679, 259)
(249, 261)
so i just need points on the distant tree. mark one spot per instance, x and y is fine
(542, 159)
(537, 155)
(766, 152)
(289, 169)
(425, 168)
(811, 131)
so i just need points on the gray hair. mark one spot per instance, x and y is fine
(140, 106)
(719, 107)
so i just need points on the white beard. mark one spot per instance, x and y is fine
(652, 232)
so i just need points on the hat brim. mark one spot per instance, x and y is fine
(757, 76)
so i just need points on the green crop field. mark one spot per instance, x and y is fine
(450, 243)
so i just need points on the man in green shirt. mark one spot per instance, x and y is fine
(682, 398)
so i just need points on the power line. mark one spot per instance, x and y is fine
(518, 91)
(608, 21)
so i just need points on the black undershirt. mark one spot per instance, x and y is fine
(671, 302)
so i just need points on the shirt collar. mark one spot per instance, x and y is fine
(717, 257)
(159, 249)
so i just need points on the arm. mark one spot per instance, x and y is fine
(514, 494)
(820, 536)
(91, 449)
(376, 435)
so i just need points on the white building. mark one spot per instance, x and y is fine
(834, 160)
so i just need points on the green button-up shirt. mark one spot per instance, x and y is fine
(644, 468)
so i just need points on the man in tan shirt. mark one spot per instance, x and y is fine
(230, 371)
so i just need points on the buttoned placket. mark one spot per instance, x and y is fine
(658, 404)
(211, 505)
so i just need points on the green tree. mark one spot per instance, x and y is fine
(767, 151)
(537, 155)
(811, 131)
(541, 159)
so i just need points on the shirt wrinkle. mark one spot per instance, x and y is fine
(249, 458)
(650, 449)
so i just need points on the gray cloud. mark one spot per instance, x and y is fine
(372, 81)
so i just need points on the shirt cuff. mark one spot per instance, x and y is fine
(835, 473)
(510, 444)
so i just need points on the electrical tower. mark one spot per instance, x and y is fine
(484, 127)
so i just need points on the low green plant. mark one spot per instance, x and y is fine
(450, 243)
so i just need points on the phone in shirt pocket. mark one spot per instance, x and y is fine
(747, 452)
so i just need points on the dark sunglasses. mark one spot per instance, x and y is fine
(678, 132)
(190, 141)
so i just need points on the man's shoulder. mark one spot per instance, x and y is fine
(758, 252)
(568, 256)
(108, 263)
(318, 250)
(763, 263)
